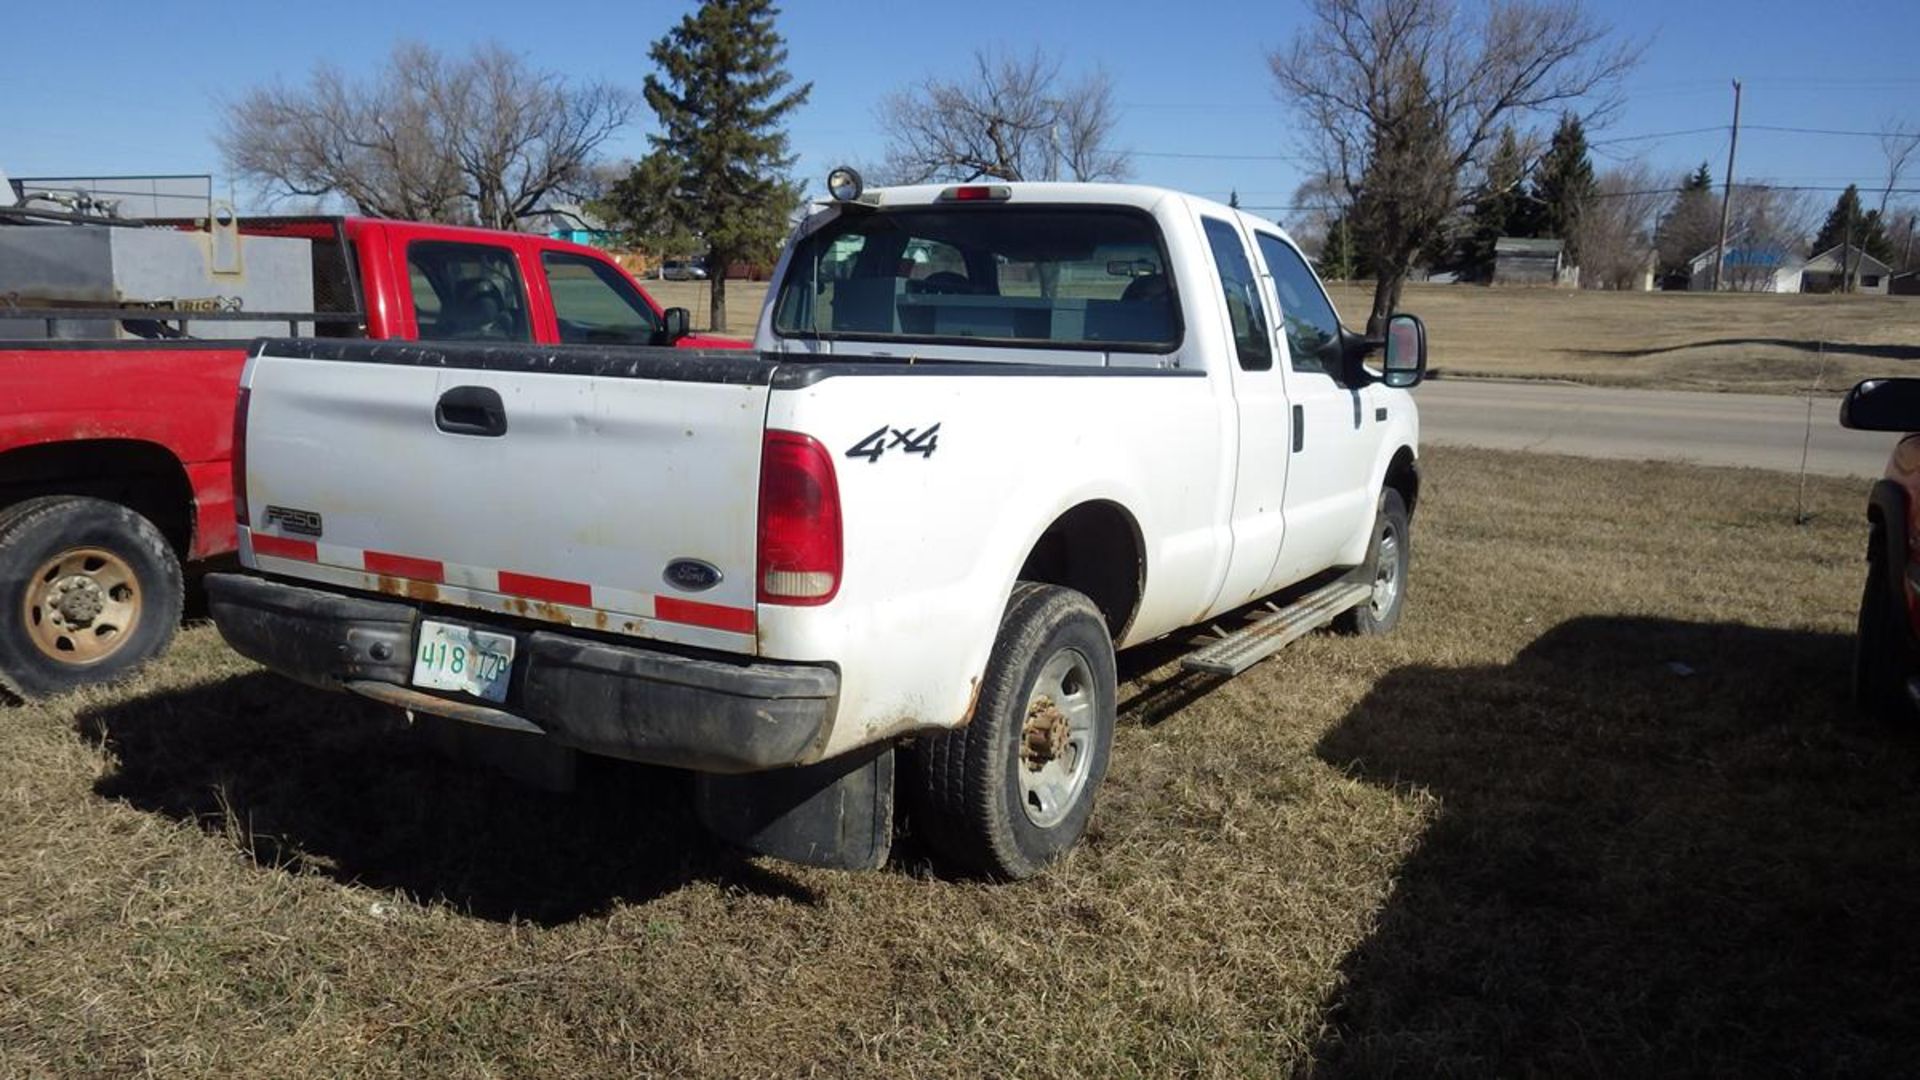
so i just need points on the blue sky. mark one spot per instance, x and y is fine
(139, 89)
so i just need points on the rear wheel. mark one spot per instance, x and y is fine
(1014, 789)
(1880, 650)
(89, 591)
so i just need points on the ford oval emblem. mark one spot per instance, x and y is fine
(692, 575)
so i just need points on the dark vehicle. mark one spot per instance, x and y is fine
(1886, 659)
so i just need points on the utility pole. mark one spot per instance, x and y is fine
(1726, 193)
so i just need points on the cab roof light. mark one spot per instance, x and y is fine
(977, 193)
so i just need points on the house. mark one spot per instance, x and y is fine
(1757, 267)
(573, 223)
(1825, 269)
(1905, 283)
(1518, 261)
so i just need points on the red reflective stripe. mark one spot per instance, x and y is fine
(406, 566)
(545, 588)
(282, 548)
(695, 613)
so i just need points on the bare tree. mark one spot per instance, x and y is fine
(1900, 142)
(1015, 118)
(1401, 98)
(1616, 227)
(485, 139)
(1768, 226)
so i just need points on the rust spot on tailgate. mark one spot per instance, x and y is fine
(407, 587)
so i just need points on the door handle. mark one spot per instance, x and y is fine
(1299, 428)
(471, 410)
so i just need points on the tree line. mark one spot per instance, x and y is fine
(1423, 119)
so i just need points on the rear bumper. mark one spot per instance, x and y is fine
(622, 701)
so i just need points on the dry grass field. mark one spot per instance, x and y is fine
(1597, 809)
(1673, 341)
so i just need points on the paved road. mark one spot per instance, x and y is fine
(1758, 430)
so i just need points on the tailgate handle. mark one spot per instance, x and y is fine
(471, 410)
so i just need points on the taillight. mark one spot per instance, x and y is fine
(799, 521)
(239, 456)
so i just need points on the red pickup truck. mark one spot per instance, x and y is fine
(114, 454)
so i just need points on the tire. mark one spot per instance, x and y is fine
(1014, 789)
(1881, 651)
(1389, 554)
(89, 591)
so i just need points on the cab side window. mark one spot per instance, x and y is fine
(595, 305)
(467, 292)
(1250, 336)
(1312, 328)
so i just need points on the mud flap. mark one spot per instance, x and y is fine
(837, 814)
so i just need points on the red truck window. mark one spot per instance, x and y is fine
(594, 304)
(467, 292)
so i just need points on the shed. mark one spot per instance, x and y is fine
(1905, 283)
(1518, 261)
(1825, 269)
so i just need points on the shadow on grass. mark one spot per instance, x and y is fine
(317, 781)
(1633, 870)
(1811, 345)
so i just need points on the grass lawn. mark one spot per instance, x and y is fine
(1675, 341)
(1597, 808)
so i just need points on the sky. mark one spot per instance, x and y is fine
(139, 90)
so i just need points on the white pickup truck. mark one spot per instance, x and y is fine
(993, 432)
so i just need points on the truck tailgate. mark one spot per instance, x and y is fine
(554, 484)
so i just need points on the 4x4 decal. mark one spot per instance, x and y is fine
(886, 437)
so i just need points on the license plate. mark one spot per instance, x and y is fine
(454, 657)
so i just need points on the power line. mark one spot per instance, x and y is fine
(1217, 157)
(1832, 131)
(1657, 135)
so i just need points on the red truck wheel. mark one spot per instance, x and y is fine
(89, 591)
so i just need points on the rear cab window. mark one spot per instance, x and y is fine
(1245, 310)
(594, 304)
(467, 292)
(1056, 276)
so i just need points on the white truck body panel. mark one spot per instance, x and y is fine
(604, 481)
(598, 482)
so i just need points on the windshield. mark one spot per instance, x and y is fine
(1073, 277)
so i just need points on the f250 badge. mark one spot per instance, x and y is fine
(886, 437)
(298, 522)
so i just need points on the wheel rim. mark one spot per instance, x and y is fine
(82, 605)
(1056, 741)
(1386, 573)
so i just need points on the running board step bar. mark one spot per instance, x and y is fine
(1275, 629)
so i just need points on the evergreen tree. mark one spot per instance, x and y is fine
(722, 94)
(1563, 185)
(1498, 210)
(1690, 226)
(1847, 219)
(1341, 255)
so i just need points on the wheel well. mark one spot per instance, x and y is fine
(1094, 548)
(1403, 476)
(143, 476)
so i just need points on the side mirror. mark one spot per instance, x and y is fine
(1403, 362)
(679, 323)
(1882, 405)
